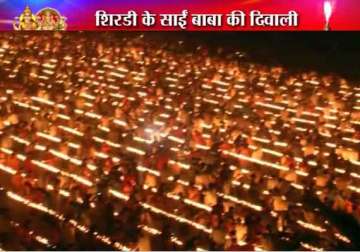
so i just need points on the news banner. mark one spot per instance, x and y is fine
(235, 18)
(189, 15)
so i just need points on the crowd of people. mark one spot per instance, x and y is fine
(124, 143)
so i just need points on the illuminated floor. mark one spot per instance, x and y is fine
(122, 114)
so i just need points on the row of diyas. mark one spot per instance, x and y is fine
(306, 225)
(82, 228)
(51, 169)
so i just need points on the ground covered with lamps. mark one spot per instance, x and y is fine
(126, 143)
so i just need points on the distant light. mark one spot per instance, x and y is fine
(327, 10)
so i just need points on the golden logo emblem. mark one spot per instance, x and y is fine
(47, 19)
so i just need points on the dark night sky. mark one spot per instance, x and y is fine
(337, 52)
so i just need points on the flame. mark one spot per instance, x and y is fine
(327, 10)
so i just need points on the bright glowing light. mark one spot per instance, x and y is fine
(327, 10)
